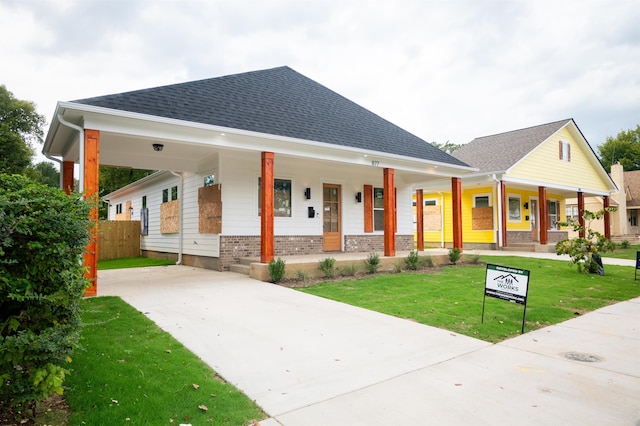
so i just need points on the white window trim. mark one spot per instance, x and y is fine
(475, 196)
(514, 196)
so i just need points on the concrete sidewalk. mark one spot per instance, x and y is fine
(310, 361)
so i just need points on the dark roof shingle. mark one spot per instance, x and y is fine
(497, 153)
(277, 101)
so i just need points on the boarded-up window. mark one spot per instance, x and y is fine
(432, 218)
(482, 218)
(210, 210)
(169, 217)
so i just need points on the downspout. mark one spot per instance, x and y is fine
(180, 235)
(499, 212)
(81, 152)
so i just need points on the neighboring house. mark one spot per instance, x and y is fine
(340, 177)
(624, 224)
(518, 195)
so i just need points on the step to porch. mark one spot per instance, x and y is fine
(243, 265)
(520, 247)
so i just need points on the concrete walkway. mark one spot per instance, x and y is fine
(310, 361)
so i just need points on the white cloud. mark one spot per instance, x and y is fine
(444, 70)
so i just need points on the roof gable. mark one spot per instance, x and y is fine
(498, 153)
(277, 101)
(632, 187)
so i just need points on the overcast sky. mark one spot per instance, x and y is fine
(444, 70)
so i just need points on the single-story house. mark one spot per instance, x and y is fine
(264, 163)
(519, 193)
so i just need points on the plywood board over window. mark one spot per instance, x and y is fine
(482, 218)
(432, 218)
(210, 210)
(169, 217)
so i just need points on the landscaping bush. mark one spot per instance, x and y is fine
(327, 266)
(43, 233)
(276, 270)
(372, 263)
(412, 262)
(454, 255)
(625, 244)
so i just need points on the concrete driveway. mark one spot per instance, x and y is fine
(310, 361)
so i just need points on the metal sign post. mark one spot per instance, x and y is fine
(510, 284)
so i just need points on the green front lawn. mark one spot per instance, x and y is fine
(452, 297)
(623, 253)
(132, 262)
(133, 373)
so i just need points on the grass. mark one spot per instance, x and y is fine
(131, 372)
(622, 253)
(132, 262)
(452, 297)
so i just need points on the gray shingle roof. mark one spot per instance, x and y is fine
(497, 153)
(277, 101)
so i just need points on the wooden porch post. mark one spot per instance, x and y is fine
(503, 213)
(67, 176)
(607, 217)
(389, 213)
(456, 201)
(544, 217)
(581, 213)
(266, 208)
(91, 174)
(420, 219)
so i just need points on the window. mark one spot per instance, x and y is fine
(174, 193)
(378, 209)
(572, 212)
(554, 214)
(481, 201)
(209, 180)
(144, 201)
(564, 151)
(281, 197)
(633, 217)
(430, 202)
(119, 208)
(515, 214)
(165, 195)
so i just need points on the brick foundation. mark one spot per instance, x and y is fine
(375, 243)
(521, 237)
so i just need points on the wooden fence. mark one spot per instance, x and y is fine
(118, 239)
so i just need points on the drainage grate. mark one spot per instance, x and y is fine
(578, 356)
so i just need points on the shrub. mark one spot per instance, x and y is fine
(327, 266)
(349, 270)
(624, 244)
(301, 275)
(454, 255)
(397, 266)
(372, 263)
(474, 259)
(276, 270)
(43, 233)
(585, 252)
(426, 261)
(412, 262)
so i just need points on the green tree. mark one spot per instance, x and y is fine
(585, 251)
(45, 173)
(625, 148)
(20, 126)
(447, 147)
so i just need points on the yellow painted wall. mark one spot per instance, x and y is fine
(433, 238)
(544, 164)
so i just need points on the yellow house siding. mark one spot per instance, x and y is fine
(523, 223)
(544, 164)
(469, 235)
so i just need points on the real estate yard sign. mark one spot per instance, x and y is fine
(507, 283)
